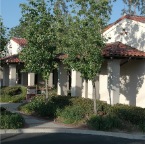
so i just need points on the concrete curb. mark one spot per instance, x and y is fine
(74, 131)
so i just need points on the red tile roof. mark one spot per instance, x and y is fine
(131, 17)
(118, 49)
(11, 59)
(20, 41)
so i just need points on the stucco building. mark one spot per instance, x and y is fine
(122, 76)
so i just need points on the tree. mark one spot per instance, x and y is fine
(3, 36)
(17, 31)
(133, 6)
(39, 53)
(84, 38)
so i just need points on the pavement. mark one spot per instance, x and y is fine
(39, 125)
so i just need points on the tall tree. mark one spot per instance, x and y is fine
(133, 6)
(17, 31)
(84, 38)
(3, 36)
(39, 53)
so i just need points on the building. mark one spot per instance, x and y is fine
(122, 76)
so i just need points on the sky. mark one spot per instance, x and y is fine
(11, 12)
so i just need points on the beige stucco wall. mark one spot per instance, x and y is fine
(132, 83)
(13, 48)
(103, 80)
(135, 36)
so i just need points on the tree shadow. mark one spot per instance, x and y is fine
(132, 79)
(128, 32)
(132, 73)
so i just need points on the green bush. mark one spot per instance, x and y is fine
(72, 114)
(11, 91)
(104, 122)
(11, 120)
(13, 94)
(61, 101)
(135, 115)
(88, 105)
(2, 109)
(39, 105)
(142, 127)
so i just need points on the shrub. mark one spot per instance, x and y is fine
(2, 109)
(11, 91)
(105, 122)
(142, 127)
(72, 114)
(135, 115)
(87, 104)
(11, 120)
(61, 101)
(39, 106)
(13, 94)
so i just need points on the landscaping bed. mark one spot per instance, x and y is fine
(10, 120)
(13, 94)
(79, 111)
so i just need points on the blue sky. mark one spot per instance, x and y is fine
(11, 12)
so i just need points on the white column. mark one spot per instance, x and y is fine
(113, 80)
(76, 83)
(6, 75)
(90, 89)
(31, 79)
(93, 92)
(24, 78)
(84, 88)
(62, 87)
(12, 75)
(50, 81)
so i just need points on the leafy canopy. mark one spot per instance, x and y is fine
(3, 36)
(39, 53)
(133, 7)
(84, 38)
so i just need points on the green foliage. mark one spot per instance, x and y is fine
(133, 6)
(87, 104)
(3, 37)
(61, 101)
(80, 109)
(11, 120)
(13, 94)
(72, 114)
(105, 122)
(39, 53)
(142, 127)
(17, 31)
(39, 106)
(135, 115)
(15, 90)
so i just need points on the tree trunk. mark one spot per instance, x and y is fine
(95, 84)
(46, 87)
(94, 97)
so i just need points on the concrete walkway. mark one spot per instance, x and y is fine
(38, 125)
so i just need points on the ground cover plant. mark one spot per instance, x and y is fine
(13, 94)
(10, 120)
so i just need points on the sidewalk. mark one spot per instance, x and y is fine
(38, 125)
